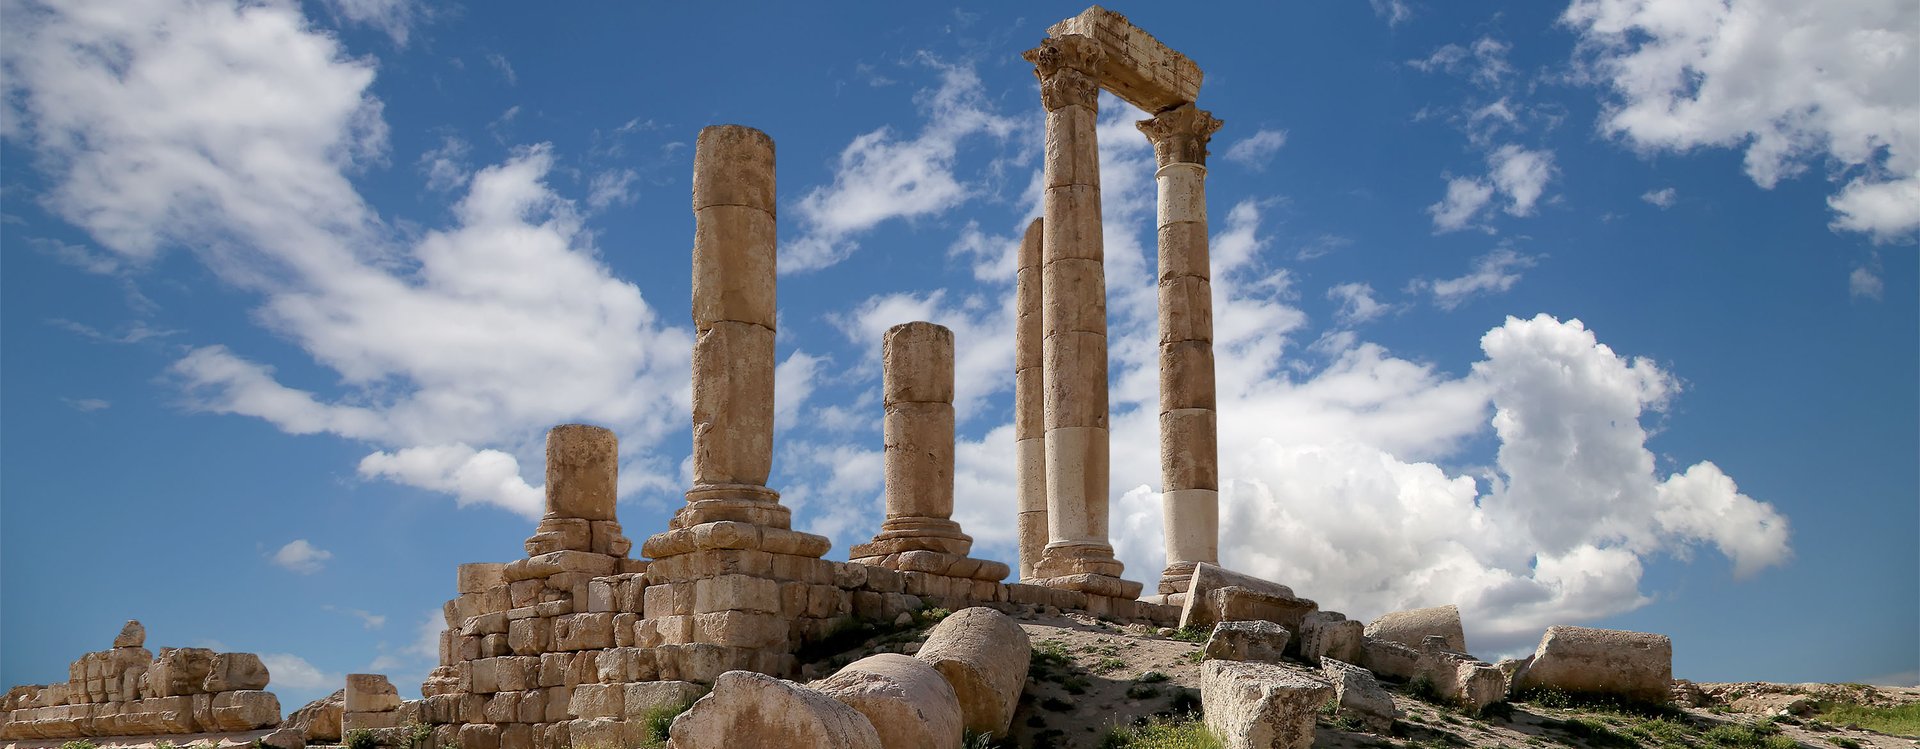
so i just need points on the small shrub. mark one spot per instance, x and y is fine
(360, 738)
(658, 721)
(1761, 735)
(1184, 702)
(1074, 684)
(79, 744)
(1142, 692)
(1195, 635)
(419, 736)
(1843, 742)
(1109, 665)
(1177, 733)
(1594, 732)
(1151, 677)
(1547, 697)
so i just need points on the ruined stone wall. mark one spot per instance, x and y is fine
(126, 691)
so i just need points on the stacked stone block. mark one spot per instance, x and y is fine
(126, 691)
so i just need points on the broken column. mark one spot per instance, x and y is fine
(1074, 323)
(1189, 457)
(1029, 406)
(919, 534)
(583, 465)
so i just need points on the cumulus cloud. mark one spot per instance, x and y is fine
(442, 342)
(1662, 198)
(1492, 273)
(1357, 304)
(1463, 201)
(882, 176)
(302, 557)
(1516, 173)
(295, 672)
(1256, 151)
(1791, 87)
(1864, 283)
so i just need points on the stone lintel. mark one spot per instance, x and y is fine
(1138, 68)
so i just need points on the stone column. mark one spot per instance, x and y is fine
(919, 534)
(1189, 460)
(1029, 407)
(583, 468)
(1074, 322)
(734, 253)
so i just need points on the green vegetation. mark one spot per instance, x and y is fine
(1899, 721)
(79, 744)
(419, 735)
(1109, 665)
(1843, 742)
(1761, 735)
(1185, 732)
(1195, 635)
(1142, 692)
(658, 720)
(1151, 677)
(1593, 732)
(361, 738)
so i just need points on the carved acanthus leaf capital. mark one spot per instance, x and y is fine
(1180, 135)
(1069, 70)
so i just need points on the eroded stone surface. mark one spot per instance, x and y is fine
(1247, 641)
(1414, 625)
(1260, 705)
(1581, 660)
(984, 655)
(748, 709)
(1360, 694)
(911, 705)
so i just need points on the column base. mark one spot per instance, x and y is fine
(741, 503)
(898, 535)
(936, 563)
(1084, 566)
(556, 533)
(1100, 585)
(1176, 578)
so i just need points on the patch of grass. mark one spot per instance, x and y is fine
(1899, 721)
(79, 744)
(1664, 733)
(1184, 702)
(1162, 733)
(1195, 635)
(1074, 684)
(1142, 692)
(1843, 742)
(360, 738)
(1196, 656)
(1109, 665)
(1151, 677)
(658, 721)
(1593, 732)
(971, 740)
(1762, 735)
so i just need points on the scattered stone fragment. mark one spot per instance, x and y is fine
(1411, 627)
(984, 655)
(1247, 641)
(909, 703)
(319, 720)
(132, 635)
(1580, 660)
(746, 709)
(1330, 634)
(1260, 705)
(1360, 694)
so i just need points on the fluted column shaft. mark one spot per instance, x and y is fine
(1189, 454)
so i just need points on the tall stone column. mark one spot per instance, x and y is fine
(734, 252)
(583, 464)
(919, 534)
(1029, 405)
(1189, 455)
(1074, 322)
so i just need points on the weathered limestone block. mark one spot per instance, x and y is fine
(1138, 68)
(1411, 627)
(1388, 658)
(1261, 705)
(644, 697)
(582, 466)
(909, 703)
(370, 693)
(749, 709)
(1330, 634)
(598, 701)
(1360, 694)
(479, 577)
(1636, 666)
(236, 671)
(583, 632)
(1247, 641)
(132, 635)
(984, 655)
(245, 710)
(179, 671)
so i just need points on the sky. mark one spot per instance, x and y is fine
(1599, 312)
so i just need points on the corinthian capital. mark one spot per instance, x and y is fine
(1180, 134)
(1069, 70)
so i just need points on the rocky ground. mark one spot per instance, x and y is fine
(1089, 677)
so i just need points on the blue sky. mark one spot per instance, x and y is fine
(1598, 313)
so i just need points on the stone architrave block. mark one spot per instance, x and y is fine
(1360, 694)
(1261, 705)
(1412, 627)
(984, 655)
(1261, 641)
(908, 701)
(1636, 666)
(747, 709)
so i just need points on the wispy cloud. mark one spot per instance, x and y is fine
(1492, 273)
(1662, 198)
(1256, 151)
(302, 557)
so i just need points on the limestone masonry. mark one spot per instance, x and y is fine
(579, 642)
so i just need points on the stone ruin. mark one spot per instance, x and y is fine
(578, 643)
(126, 691)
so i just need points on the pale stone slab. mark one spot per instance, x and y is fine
(1411, 627)
(909, 702)
(1261, 705)
(582, 463)
(1581, 660)
(1260, 641)
(984, 655)
(1360, 694)
(747, 709)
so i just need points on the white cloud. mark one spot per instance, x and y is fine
(368, 619)
(87, 405)
(1864, 283)
(1395, 12)
(1256, 151)
(395, 17)
(1357, 304)
(446, 166)
(1465, 197)
(500, 63)
(1492, 273)
(881, 176)
(1790, 86)
(1662, 198)
(611, 187)
(443, 343)
(302, 557)
(294, 672)
(1484, 62)
(1521, 174)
